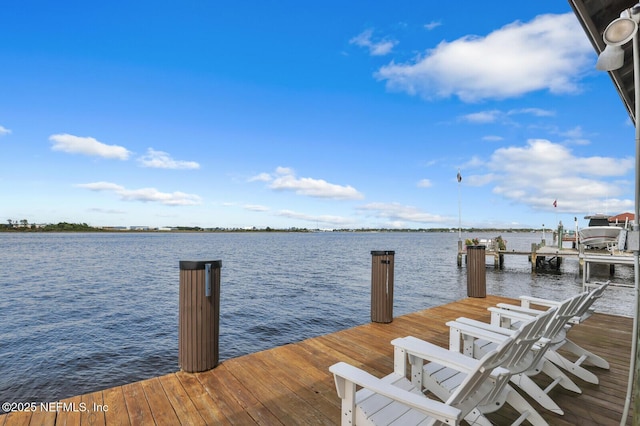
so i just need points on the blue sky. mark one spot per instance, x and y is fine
(307, 114)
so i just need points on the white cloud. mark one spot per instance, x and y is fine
(475, 161)
(286, 180)
(495, 115)
(548, 53)
(324, 219)
(255, 208)
(398, 213)
(144, 194)
(284, 170)
(162, 160)
(377, 48)
(262, 177)
(538, 112)
(492, 138)
(87, 146)
(480, 179)
(108, 211)
(4, 131)
(425, 183)
(482, 117)
(575, 133)
(575, 136)
(432, 25)
(542, 171)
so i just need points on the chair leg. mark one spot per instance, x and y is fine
(585, 355)
(525, 383)
(527, 412)
(475, 417)
(510, 396)
(558, 377)
(571, 367)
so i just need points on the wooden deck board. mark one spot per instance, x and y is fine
(70, 416)
(291, 384)
(160, 406)
(224, 400)
(137, 405)
(42, 418)
(91, 410)
(183, 407)
(202, 401)
(246, 402)
(116, 413)
(17, 418)
(296, 377)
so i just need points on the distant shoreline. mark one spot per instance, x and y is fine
(68, 227)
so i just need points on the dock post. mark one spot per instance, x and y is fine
(560, 235)
(459, 253)
(382, 286)
(199, 315)
(581, 262)
(534, 257)
(476, 271)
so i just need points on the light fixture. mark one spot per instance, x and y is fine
(617, 33)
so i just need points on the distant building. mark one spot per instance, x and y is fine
(622, 218)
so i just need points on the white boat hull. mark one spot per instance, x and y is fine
(599, 236)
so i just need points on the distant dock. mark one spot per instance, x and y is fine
(543, 256)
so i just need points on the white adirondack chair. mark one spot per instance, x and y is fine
(442, 379)
(474, 343)
(580, 355)
(394, 400)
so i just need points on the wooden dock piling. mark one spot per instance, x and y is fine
(382, 263)
(476, 272)
(199, 316)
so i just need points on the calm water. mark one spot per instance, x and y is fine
(83, 312)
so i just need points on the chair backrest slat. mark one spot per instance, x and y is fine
(529, 334)
(509, 355)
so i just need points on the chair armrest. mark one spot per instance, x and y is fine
(429, 352)
(526, 301)
(344, 372)
(583, 317)
(481, 330)
(518, 308)
(504, 317)
(464, 332)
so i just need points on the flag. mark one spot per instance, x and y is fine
(555, 203)
(459, 177)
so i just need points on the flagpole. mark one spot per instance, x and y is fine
(555, 210)
(459, 177)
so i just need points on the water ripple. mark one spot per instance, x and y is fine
(83, 312)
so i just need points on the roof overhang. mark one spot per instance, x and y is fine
(595, 15)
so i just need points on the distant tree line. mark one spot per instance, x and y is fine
(23, 226)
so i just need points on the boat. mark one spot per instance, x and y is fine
(599, 234)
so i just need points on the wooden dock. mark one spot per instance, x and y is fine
(542, 256)
(291, 384)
